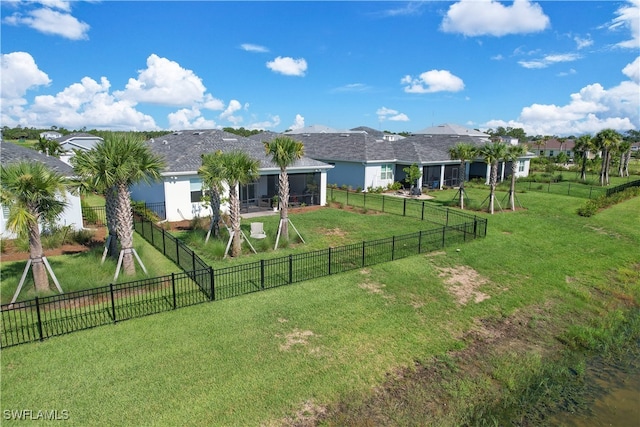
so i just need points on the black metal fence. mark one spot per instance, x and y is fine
(623, 187)
(45, 317)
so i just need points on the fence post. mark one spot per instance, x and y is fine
(447, 223)
(193, 261)
(329, 260)
(164, 247)
(569, 190)
(393, 247)
(113, 303)
(262, 274)
(590, 189)
(39, 319)
(290, 268)
(347, 197)
(404, 207)
(420, 238)
(364, 199)
(444, 229)
(475, 226)
(422, 213)
(152, 233)
(177, 252)
(383, 197)
(173, 289)
(212, 282)
(363, 252)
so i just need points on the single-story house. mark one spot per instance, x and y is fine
(50, 134)
(76, 141)
(552, 147)
(364, 161)
(181, 188)
(12, 153)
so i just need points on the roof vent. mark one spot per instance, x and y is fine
(344, 134)
(198, 132)
(229, 139)
(177, 133)
(152, 140)
(165, 142)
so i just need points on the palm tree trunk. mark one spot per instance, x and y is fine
(583, 171)
(40, 277)
(462, 170)
(512, 190)
(234, 214)
(215, 211)
(111, 209)
(125, 222)
(283, 183)
(492, 185)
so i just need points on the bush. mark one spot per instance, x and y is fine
(594, 205)
(82, 237)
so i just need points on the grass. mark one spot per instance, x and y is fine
(83, 271)
(271, 356)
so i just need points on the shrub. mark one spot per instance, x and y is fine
(82, 237)
(591, 207)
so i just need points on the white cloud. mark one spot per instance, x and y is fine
(189, 118)
(582, 43)
(632, 70)
(165, 82)
(86, 104)
(548, 60)
(275, 121)
(298, 123)
(20, 73)
(590, 110)
(253, 48)
(497, 57)
(227, 114)
(433, 81)
(490, 17)
(628, 17)
(351, 88)
(52, 22)
(567, 73)
(389, 114)
(288, 66)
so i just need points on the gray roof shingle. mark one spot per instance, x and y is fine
(12, 153)
(182, 150)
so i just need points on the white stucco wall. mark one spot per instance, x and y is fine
(72, 216)
(372, 176)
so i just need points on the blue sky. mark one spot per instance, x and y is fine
(550, 67)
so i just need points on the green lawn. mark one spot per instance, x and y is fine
(257, 359)
(83, 271)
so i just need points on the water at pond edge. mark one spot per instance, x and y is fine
(613, 395)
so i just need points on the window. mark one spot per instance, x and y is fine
(196, 190)
(551, 153)
(386, 172)
(520, 165)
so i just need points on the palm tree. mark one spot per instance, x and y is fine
(284, 152)
(513, 154)
(607, 141)
(120, 160)
(33, 193)
(464, 152)
(211, 172)
(624, 148)
(492, 153)
(50, 147)
(237, 169)
(88, 165)
(584, 145)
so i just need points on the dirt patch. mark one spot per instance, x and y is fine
(464, 283)
(372, 288)
(12, 253)
(307, 415)
(333, 232)
(296, 337)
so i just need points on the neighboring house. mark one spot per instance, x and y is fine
(50, 134)
(76, 141)
(359, 160)
(12, 153)
(181, 188)
(552, 147)
(365, 161)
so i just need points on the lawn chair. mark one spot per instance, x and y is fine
(257, 230)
